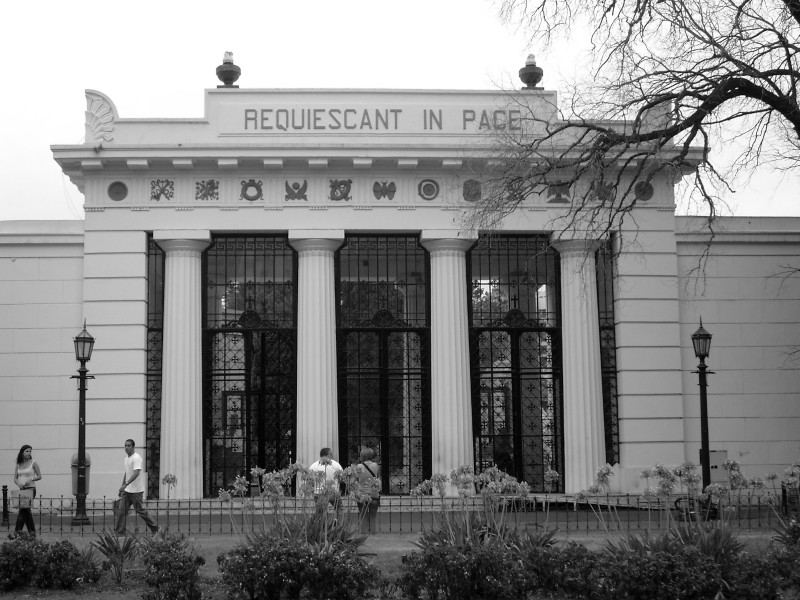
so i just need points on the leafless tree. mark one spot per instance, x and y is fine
(666, 77)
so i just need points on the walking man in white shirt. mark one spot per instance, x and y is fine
(131, 492)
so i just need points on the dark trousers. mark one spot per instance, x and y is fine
(126, 500)
(25, 519)
(367, 512)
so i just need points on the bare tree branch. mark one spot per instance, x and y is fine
(666, 77)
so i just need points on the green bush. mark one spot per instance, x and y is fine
(336, 572)
(171, 568)
(686, 575)
(270, 566)
(574, 569)
(485, 571)
(717, 540)
(755, 577)
(785, 563)
(28, 561)
(569, 570)
(19, 561)
(265, 567)
(61, 566)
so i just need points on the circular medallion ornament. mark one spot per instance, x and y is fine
(117, 191)
(251, 190)
(472, 190)
(428, 189)
(643, 190)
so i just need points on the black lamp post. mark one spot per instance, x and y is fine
(701, 340)
(83, 352)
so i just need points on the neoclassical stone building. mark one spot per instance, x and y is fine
(292, 270)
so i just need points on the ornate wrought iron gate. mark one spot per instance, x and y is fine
(383, 341)
(249, 354)
(515, 349)
(608, 349)
(155, 341)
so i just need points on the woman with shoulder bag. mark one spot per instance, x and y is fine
(25, 474)
(368, 492)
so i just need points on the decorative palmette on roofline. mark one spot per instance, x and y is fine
(100, 114)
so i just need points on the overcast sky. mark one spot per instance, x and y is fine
(154, 59)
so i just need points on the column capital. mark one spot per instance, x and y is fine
(314, 240)
(190, 246)
(437, 240)
(182, 234)
(573, 247)
(191, 240)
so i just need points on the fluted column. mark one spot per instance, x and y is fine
(451, 412)
(182, 371)
(584, 440)
(317, 410)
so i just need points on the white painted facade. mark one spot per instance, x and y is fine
(56, 274)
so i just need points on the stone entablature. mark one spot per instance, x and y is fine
(313, 148)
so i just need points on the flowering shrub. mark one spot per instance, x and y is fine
(18, 559)
(264, 568)
(757, 577)
(28, 561)
(61, 566)
(270, 566)
(687, 574)
(482, 571)
(171, 568)
(337, 572)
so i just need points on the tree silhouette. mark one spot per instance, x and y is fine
(666, 77)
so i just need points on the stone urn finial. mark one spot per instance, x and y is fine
(228, 72)
(530, 74)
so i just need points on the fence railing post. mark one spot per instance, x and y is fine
(5, 506)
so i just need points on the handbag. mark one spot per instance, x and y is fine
(22, 498)
(116, 507)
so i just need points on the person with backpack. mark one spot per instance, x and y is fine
(368, 490)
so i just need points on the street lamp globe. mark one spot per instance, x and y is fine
(701, 340)
(84, 343)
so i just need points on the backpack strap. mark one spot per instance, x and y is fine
(368, 469)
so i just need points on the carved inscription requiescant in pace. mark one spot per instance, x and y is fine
(381, 119)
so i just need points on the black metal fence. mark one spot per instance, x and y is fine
(407, 514)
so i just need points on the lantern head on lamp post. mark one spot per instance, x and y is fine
(84, 343)
(701, 340)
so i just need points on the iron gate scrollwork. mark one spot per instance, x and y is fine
(515, 354)
(249, 354)
(383, 344)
